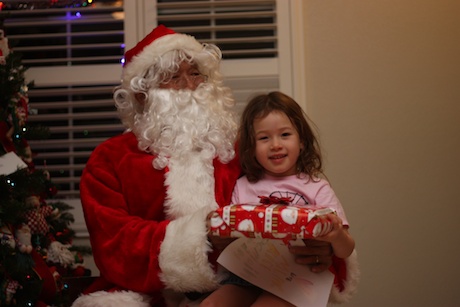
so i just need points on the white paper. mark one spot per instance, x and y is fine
(10, 163)
(269, 265)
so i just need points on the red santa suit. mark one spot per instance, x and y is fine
(148, 225)
(123, 199)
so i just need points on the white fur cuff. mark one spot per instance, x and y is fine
(184, 252)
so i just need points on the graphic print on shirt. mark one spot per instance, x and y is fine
(294, 198)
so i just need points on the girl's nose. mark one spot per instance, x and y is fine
(275, 144)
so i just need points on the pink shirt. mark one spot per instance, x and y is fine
(302, 191)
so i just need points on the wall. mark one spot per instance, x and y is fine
(383, 86)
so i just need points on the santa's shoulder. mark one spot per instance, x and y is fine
(126, 139)
(117, 147)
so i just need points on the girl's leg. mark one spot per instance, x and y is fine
(231, 296)
(267, 299)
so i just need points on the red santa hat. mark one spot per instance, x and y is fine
(158, 42)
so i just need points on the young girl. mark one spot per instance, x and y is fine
(280, 157)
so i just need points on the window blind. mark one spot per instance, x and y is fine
(242, 29)
(66, 35)
(71, 53)
(79, 118)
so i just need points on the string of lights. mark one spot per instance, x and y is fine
(43, 4)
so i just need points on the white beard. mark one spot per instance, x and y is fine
(177, 123)
(187, 130)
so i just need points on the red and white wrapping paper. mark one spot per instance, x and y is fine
(272, 221)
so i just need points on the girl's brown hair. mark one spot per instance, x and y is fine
(309, 161)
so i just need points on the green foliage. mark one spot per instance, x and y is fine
(12, 81)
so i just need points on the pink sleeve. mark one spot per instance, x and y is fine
(326, 197)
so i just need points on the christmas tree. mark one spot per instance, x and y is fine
(36, 251)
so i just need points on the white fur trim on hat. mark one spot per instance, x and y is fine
(148, 56)
(113, 299)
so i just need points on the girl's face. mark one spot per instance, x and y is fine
(277, 144)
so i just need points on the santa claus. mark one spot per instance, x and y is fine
(146, 194)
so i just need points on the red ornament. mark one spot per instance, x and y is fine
(52, 191)
(79, 271)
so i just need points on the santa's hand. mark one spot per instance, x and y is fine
(219, 243)
(316, 254)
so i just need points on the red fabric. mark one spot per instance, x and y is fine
(36, 219)
(122, 196)
(49, 287)
(273, 200)
(158, 32)
(339, 269)
(6, 141)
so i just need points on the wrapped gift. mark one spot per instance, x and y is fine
(273, 221)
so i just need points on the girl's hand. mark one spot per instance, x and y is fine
(316, 254)
(338, 236)
(332, 228)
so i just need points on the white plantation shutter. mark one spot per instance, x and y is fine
(242, 29)
(74, 58)
(79, 118)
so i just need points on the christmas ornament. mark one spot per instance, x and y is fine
(7, 237)
(36, 217)
(59, 253)
(24, 239)
(11, 288)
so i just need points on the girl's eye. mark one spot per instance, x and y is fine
(286, 134)
(262, 138)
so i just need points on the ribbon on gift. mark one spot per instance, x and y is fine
(273, 200)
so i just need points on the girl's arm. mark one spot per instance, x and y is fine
(342, 242)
